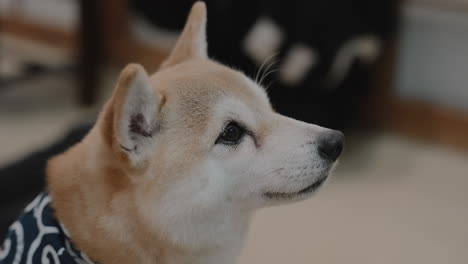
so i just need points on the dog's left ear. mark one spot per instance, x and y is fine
(192, 41)
(133, 116)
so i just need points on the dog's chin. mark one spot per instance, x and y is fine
(298, 195)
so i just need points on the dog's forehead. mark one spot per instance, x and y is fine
(206, 81)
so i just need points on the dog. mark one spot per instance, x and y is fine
(174, 167)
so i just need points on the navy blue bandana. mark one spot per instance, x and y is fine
(37, 237)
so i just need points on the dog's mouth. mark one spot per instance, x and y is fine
(309, 189)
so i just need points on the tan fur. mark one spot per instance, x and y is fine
(88, 182)
(88, 201)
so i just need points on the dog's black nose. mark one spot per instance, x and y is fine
(331, 145)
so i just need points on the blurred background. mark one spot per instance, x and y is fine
(391, 74)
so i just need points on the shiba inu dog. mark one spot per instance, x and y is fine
(178, 161)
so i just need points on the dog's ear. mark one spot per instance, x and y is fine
(134, 115)
(192, 41)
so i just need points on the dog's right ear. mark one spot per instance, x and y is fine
(192, 41)
(132, 115)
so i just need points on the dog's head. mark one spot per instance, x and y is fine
(197, 135)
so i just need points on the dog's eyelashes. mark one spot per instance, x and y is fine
(231, 135)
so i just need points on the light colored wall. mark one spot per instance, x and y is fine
(433, 59)
(62, 14)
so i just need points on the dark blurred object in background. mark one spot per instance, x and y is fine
(320, 52)
(23, 180)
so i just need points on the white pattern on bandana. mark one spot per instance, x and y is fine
(37, 237)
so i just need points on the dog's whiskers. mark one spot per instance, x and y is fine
(259, 72)
(266, 75)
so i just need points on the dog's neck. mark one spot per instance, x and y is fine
(92, 200)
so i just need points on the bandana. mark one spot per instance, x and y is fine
(38, 237)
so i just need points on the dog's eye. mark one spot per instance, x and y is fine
(231, 135)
